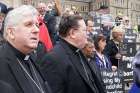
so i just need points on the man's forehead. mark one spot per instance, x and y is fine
(82, 23)
(89, 44)
(2, 15)
(30, 19)
(41, 5)
(90, 21)
(119, 33)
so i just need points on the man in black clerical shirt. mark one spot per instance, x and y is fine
(18, 73)
(65, 67)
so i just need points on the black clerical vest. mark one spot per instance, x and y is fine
(32, 75)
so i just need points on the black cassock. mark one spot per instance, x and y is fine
(18, 73)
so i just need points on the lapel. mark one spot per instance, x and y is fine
(93, 66)
(18, 72)
(97, 75)
(94, 69)
(76, 63)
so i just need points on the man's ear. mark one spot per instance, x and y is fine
(10, 32)
(72, 33)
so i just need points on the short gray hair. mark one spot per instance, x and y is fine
(16, 15)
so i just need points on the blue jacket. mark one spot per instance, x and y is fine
(100, 64)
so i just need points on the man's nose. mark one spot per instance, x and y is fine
(36, 28)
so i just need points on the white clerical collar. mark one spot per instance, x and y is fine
(26, 57)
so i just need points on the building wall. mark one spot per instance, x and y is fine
(81, 7)
(135, 12)
(16, 3)
(129, 8)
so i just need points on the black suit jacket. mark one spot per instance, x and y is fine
(6, 88)
(64, 72)
(11, 73)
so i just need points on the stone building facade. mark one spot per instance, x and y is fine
(130, 8)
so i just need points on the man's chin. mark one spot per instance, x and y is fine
(33, 46)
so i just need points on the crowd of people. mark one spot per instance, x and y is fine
(45, 50)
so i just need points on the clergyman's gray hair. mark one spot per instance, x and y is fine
(16, 15)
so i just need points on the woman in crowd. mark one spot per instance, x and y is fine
(102, 60)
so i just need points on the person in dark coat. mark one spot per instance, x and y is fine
(90, 31)
(18, 72)
(3, 12)
(52, 19)
(65, 67)
(90, 54)
(113, 46)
